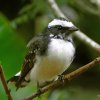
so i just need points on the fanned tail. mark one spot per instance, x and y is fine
(15, 79)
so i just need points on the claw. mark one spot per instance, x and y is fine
(61, 78)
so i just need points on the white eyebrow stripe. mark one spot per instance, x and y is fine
(60, 22)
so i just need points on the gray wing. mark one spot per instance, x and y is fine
(26, 67)
(19, 79)
(35, 46)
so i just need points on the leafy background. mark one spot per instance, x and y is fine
(20, 20)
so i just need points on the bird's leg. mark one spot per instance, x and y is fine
(38, 88)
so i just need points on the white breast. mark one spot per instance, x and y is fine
(59, 56)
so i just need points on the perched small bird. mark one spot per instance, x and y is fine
(49, 55)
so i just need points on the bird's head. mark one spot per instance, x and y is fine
(60, 26)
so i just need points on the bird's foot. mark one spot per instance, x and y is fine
(61, 78)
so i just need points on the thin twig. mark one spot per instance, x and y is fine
(66, 77)
(78, 34)
(56, 9)
(88, 41)
(5, 84)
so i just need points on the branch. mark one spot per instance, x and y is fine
(88, 41)
(56, 9)
(5, 84)
(66, 77)
(78, 34)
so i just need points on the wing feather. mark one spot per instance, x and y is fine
(26, 67)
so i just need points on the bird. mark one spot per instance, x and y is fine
(49, 54)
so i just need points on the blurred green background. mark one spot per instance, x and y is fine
(20, 20)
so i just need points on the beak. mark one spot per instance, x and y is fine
(72, 29)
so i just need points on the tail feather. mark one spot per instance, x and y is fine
(15, 79)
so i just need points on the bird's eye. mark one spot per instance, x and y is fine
(59, 27)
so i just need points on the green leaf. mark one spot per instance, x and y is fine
(12, 51)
